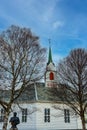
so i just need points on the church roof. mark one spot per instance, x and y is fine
(38, 92)
(34, 92)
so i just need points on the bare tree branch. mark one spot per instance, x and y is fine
(21, 60)
(72, 72)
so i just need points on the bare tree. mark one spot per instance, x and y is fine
(21, 60)
(72, 78)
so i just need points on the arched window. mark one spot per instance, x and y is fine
(51, 76)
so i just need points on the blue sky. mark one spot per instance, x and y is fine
(63, 21)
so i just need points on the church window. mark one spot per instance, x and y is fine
(2, 113)
(51, 76)
(24, 115)
(67, 115)
(47, 115)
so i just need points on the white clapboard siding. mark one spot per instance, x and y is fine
(55, 121)
(35, 117)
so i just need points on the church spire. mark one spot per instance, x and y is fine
(50, 54)
(50, 74)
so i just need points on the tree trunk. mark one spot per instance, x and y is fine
(83, 122)
(5, 123)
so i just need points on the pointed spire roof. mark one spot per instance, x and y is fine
(50, 54)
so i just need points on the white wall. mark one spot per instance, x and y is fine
(57, 118)
(36, 117)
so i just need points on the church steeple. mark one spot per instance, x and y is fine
(50, 54)
(50, 74)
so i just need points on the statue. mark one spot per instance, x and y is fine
(14, 121)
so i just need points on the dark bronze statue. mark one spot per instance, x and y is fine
(14, 121)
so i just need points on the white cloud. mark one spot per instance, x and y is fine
(57, 24)
(47, 14)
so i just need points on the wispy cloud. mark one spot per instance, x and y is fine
(58, 24)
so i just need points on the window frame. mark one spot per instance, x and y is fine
(66, 115)
(24, 115)
(2, 114)
(47, 115)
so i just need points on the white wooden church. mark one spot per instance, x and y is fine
(37, 110)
